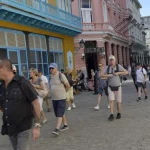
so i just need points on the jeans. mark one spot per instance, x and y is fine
(21, 141)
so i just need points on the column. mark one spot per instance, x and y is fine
(124, 56)
(28, 48)
(123, 62)
(109, 51)
(115, 53)
(100, 58)
(48, 49)
(120, 54)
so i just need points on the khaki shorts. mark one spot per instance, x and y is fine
(115, 95)
(69, 94)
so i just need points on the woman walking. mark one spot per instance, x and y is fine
(38, 84)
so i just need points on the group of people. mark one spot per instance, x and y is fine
(21, 101)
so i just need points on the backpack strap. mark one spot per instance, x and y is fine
(117, 67)
(108, 68)
(60, 78)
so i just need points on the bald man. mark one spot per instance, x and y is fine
(18, 99)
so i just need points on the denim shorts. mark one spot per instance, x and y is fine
(59, 107)
(100, 90)
(139, 84)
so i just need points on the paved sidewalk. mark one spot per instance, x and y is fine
(90, 130)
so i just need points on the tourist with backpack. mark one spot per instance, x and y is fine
(58, 87)
(113, 73)
(141, 77)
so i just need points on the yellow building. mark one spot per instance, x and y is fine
(34, 33)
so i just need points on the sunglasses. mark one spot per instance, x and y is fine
(51, 68)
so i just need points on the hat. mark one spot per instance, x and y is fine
(53, 65)
(14, 68)
(112, 57)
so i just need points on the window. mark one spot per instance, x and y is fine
(86, 3)
(105, 12)
(56, 52)
(38, 53)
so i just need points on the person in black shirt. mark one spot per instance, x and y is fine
(18, 102)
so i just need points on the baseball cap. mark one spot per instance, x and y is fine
(112, 57)
(53, 65)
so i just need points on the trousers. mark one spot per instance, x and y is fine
(21, 141)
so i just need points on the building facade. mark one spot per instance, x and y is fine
(136, 32)
(106, 25)
(146, 26)
(34, 33)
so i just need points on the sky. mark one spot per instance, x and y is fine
(145, 11)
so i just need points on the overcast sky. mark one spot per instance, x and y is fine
(145, 11)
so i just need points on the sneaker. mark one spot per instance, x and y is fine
(118, 116)
(73, 105)
(64, 128)
(96, 107)
(69, 108)
(139, 99)
(55, 132)
(45, 121)
(111, 117)
(146, 97)
(108, 106)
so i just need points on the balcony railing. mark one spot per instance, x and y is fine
(44, 10)
(88, 26)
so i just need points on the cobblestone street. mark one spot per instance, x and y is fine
(90, 130)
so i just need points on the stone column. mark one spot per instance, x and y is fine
(120, 55)
(108, 51)
(101, 59)
(115, 53)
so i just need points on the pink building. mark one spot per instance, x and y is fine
(105, 32)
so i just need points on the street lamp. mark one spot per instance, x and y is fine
(82, 44)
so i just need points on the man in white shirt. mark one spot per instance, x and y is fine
(46, 88)
(141, 76)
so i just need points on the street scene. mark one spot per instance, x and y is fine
(74, 74)
(90, 129)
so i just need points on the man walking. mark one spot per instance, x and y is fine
(58, 86)
(113, 72)
(18, 100)
(141, 76)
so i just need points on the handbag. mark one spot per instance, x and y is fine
(114, 88)
(42, 93)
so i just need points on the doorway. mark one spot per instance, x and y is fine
(91, 62)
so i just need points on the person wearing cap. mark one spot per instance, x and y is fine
(113, 73)
(141, 76)
(58, 86)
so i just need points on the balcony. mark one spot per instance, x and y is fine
(40, 14)
(140, 43)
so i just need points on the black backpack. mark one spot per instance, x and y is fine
(117, 68)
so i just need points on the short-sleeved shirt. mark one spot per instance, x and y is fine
(114, 80)
(45, 81)
(16, 104)
(140, 73)
(57, 88)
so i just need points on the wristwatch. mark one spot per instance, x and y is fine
(37, 125)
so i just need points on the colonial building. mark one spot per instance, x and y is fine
(136, 32)
(146, 26)
(34, 33)
(106, 25)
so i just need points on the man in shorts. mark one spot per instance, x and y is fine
(113, 73)
(58, 86)
(141, 76)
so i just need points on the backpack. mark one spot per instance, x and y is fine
(117, 69)
(69, 78)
